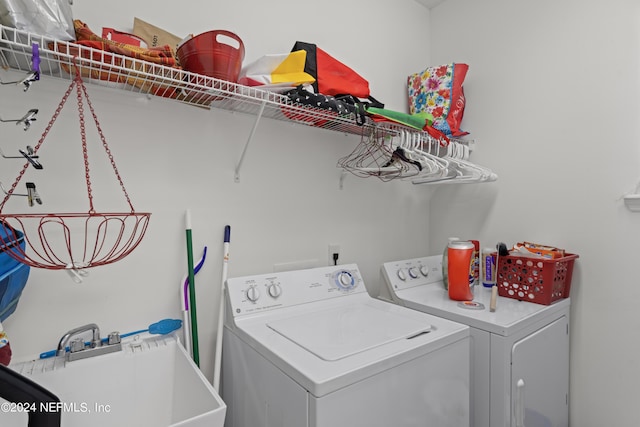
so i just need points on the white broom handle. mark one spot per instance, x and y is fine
(218, 358)
(186, 322)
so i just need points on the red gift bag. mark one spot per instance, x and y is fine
(332, 76)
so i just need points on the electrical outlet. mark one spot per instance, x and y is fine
(334, 249)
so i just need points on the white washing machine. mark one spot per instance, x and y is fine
(312, 348)
(519, 353)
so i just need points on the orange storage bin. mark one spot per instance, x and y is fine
(538, 280)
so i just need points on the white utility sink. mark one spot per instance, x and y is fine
(151, 382)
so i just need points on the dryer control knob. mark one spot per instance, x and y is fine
(413, 273)
(274, 290)
(424, 270)
(401, 275)
(253, 293)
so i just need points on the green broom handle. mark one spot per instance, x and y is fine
(192, 292)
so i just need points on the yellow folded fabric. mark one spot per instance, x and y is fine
(292, 70)
(277, 68)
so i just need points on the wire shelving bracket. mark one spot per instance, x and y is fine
(246, 145)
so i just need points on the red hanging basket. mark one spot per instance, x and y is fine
(73, 240)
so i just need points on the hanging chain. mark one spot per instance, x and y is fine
(104, 144)
(80, 90)
(83, 137)
(37, 147)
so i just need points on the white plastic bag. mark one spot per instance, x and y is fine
(51, 18)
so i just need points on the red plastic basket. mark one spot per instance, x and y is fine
(538, 280)
(217, 54)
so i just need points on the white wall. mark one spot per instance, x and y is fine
(288, 206)
(553, 103)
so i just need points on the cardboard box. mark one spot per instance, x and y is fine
(153, 35)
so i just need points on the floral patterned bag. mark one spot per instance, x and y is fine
(438, 91)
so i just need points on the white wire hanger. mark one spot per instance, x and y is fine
(413, 156)
(440, 167)
(461, 170)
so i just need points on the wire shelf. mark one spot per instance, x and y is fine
(125, 73)
(59, 58)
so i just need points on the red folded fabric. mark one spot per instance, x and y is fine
(162, 55)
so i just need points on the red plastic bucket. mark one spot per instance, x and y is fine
(217, 54)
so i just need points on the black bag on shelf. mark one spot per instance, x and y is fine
(343, 105)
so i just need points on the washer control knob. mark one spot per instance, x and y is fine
(413, 273)
(274, 290)
(401, 275)
(344, 280)
(253, 293)
(424, 270)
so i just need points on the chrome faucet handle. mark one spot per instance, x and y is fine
(64, 341)
(113, 338)
(77, 344)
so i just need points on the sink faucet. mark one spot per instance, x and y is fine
(66, 338)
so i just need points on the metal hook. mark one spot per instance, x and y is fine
(32, 77)
(26, 120)
(31, 195)
(29, 155)
(4, 190)
(36, 164)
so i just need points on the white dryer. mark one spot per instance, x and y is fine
(519, 353)
(311, 348)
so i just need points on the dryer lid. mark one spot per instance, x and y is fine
(336, 333)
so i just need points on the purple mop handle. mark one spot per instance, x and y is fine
(186, 282)
(35, 60)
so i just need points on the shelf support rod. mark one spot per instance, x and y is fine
(343, 175)
(246, 145)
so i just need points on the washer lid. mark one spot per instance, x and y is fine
(340, 332)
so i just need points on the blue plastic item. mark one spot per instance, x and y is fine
(11, 285)
(10, 239)
(163, 327)
(13, 274)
